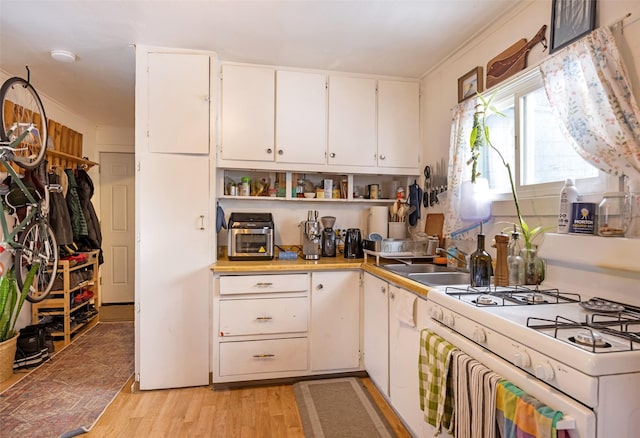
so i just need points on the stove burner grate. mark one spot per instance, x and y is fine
(511, 295)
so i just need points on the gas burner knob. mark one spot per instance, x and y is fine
(522, 360)
(544, 371)
(479, 336)
(449, 320)
(436, 313)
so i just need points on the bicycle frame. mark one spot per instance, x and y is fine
(32, 209)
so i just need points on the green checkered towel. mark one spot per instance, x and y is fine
(436, 386)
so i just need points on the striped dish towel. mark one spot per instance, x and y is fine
(521, 416)
(436, 396)
(474, 390)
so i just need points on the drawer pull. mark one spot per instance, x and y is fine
(264, 284)
(264, 318)
(263, 356)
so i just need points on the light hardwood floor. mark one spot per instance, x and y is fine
(268, 411)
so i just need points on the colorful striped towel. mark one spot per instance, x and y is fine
(474, 388)
(521, 416)
(436, 396)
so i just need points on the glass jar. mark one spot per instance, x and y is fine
(300, 188)
(614, 214)
(245, 186)
(534, 269)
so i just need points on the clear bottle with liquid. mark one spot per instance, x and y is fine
(480, 265)
(515, 262)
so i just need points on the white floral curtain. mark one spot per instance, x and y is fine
(459, 172)
(589, 91)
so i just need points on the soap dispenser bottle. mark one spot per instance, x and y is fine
(480, 265)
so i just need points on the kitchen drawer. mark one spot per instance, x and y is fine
(251, 284)
(263, 316)
(270, 356)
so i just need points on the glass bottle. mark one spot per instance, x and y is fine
(300, 188)
(515, 262)
(534, 269)
(480, 265)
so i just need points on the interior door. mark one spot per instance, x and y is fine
(172, 288)
(117, 198)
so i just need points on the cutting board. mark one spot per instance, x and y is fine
(513, 59)
(433, 225)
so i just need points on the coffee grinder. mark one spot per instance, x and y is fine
(311, 236)
(328, 236)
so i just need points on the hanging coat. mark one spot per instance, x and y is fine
(59, 218)
(78, 222)
(85, 193)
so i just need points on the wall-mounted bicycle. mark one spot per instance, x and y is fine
(23, 141)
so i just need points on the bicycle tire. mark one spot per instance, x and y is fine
(21, 103)
(37, 243)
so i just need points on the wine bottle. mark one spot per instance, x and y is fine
(480, 265)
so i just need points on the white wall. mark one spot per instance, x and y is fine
(440, 86)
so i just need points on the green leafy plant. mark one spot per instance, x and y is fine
(480, 137)
(11, 303)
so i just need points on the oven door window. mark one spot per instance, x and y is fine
(252, 243)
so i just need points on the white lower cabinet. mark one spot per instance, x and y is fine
(269, 326)
(376, 331)
(335, 321)
(392, 346)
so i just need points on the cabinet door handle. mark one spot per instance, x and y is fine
(264, 318)
(264, 356)
(382, 157)
(382, 289)
(392, 295)
(280, 152)
(202, 222)
(264, 284)
(320, 286)
(269, 150)
(332, 154)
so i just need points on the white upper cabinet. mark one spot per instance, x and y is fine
(352, 121)
(247, 113)
(301, 117)
(178, 108)
(398, 124)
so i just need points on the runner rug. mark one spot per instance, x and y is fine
(66, 395)
(339, 408)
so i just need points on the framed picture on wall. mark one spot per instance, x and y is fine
(469, 84)
(570, 21)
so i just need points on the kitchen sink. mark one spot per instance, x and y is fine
(440, 278)
(419, 268)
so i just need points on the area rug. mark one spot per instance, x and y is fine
(339, 408)
(66, 395)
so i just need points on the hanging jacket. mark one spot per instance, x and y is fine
(78, 222)
(59, 218)
(85, 193)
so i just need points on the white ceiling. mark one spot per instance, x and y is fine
(386, 37)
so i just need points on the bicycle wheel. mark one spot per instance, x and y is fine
(37, 245)
(22, 110)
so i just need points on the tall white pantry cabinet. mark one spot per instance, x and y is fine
(175, 120)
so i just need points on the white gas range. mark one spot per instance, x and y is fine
(575, 347)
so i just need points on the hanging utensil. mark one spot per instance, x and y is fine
(427, 186)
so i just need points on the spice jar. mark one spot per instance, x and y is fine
(614, 214)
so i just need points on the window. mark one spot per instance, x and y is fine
(531, 141)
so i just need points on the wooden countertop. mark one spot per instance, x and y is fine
(226, 266)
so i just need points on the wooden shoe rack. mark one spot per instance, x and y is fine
(60, 302)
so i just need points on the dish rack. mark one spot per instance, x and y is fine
(400, 249)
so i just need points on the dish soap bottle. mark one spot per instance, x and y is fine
(515, 262)
(568, 194)
(480, 265)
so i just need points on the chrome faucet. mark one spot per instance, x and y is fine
(460, 257)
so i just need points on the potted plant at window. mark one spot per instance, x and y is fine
(10, 306)
(534, 266)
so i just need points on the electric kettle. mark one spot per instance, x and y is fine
(353, 244)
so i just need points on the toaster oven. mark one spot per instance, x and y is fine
(250, 236)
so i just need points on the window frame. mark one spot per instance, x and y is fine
(516, 89)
